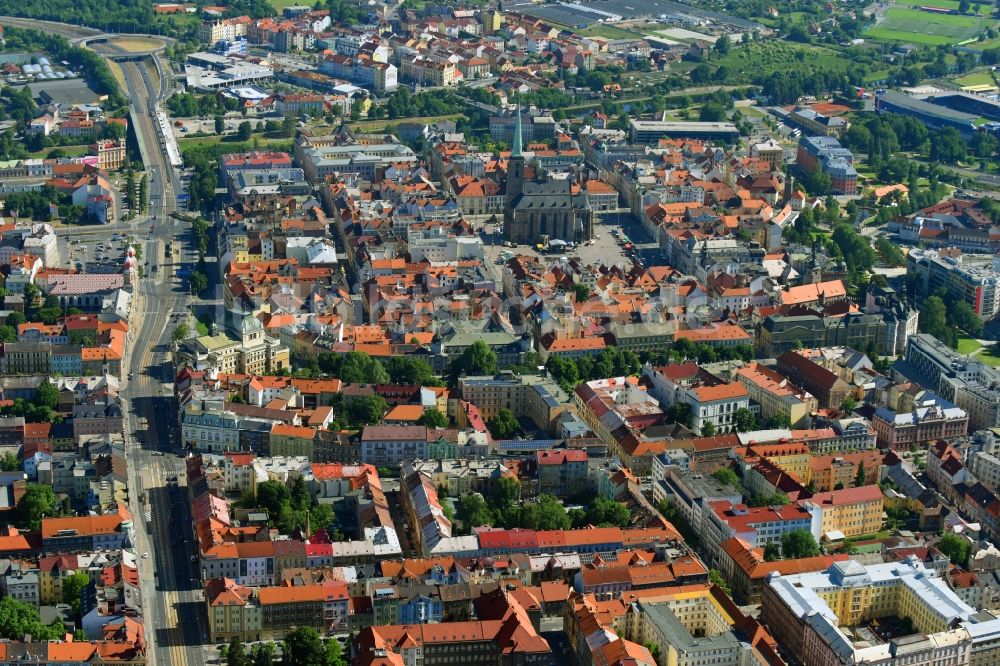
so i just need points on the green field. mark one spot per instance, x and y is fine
(980, 78)
(912, 25)
(967, 345)
(762, 58)
(989, 356)
(943, 4)
(68, 151)
(608, 32)
(281, 4)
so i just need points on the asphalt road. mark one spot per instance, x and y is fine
(174, 614)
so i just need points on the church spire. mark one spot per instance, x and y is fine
(517, 150)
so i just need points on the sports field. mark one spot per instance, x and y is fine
(902, 24)
(942, 4)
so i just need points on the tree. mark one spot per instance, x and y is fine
(18, 618)
(432, 418)
(477, 359)
(9, 462)
(606, 513)
(934, 318)
(236, 656)
(744, 420)
(220, 124)
(244, 131)
(962, 316)
(715, 578)
(198, 281)
(272, 496)
(707, 429)
(772, 552)
(304, 647)
(727, 477)
(504, 424)
(263, 654)
(712, 113)
(948, 146)
(963, 6)
(360, 368)
(679, 412)
(334, 655)
(39, 501)
(72, 588)
(848, 404)
(366, 410)
(181, 332)
(505, 494)
(47, 395)
(799, 543)
(411, 371)
(723, 45)
(859, 478)
(473, 511)
(581, 292)
(956, 548)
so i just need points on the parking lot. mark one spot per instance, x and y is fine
(190, 126)
(605, 248)
(80, 253)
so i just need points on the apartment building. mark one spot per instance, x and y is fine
(209, 430)
(747, 571)
(824, 153)
(562, 472)
(695, 625)
(775, 395)
(419, 498)
(930, 420)
(829, 389)
(758, 526)
(324, 606)
(527, 396)
(964, 382)
(86, 533)
(228, 30)
(292, 440)
(810, 613)
(851, 512)
(230, 612)
(711, 400)
(503, 635)
(973, 278)
(389, 446)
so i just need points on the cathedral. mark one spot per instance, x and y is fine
(543, 205)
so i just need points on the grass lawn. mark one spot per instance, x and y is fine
(759, 58)
(989, 356)
(68, 151)
(986, 44)
(140, 44)
(967, 345)
(608, 31)
(281, 4)
(942, 4)
(980, 78)
(212, 139)
(912, 25)
(385, 123)
(201, 327)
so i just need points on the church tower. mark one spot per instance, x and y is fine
(515, 167)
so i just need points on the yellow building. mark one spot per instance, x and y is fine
(231, 612)
(851, 511)
(777, 396)
(492, 20)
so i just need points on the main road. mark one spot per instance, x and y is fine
(173, 612)
(174, 615)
